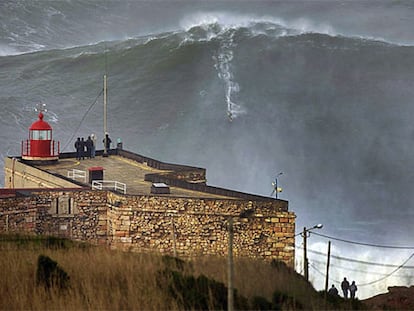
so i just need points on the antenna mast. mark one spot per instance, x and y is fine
(276, 189)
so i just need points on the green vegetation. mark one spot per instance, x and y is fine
(47, 273)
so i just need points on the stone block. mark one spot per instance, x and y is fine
(121, 233)
(126, 239)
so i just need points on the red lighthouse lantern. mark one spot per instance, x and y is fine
(40, 147)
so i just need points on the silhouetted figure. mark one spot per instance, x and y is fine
(93, 137)
(79, 148)
(107, 142)
(89, 145)
(83, 148)
(333, 291)
(352, 289)
(345, 287)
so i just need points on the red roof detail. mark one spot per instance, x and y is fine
(96, 168)
(40, 124)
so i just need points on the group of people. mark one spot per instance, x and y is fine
(87, 148)
(346, 288)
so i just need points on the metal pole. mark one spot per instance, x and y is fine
(327, 273)
(230, 297)
(327, 266)
(105, 153)
(305, 257)
(276, 186)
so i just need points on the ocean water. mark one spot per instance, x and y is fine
(322, 92)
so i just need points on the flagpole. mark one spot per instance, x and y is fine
(105, 153)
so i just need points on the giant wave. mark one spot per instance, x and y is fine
(245, 97)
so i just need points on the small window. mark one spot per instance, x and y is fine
(63, 205)
(41, 134)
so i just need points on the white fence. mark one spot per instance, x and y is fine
(77, 174)
(109, 184)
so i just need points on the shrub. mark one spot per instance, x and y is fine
(49, 274)
(198, 293)
(261, 303)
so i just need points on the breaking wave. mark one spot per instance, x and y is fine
(332, 110)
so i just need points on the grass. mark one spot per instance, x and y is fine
(103, 279)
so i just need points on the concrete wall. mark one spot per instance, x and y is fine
(175, 226)
(20, 175)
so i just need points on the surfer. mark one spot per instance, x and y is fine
(230, 115)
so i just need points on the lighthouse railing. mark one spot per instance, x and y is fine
(26, 149)
(55, 148)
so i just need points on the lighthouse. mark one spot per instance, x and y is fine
(40, 147)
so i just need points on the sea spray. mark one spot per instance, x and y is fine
(223, 64)
(328, 106)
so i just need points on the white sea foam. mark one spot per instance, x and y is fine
(298, 26)
(223, 65)
(203, 19)
(52, 117)
(229, 20)
(219, 25)
(6, 50)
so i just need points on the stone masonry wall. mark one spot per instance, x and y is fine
(175, 226)
(79, 215)
(195, 227)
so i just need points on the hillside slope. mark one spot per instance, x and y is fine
(97, 278)
(397, 298)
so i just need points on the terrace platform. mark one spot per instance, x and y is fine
(123, 170)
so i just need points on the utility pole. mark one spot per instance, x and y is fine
(327, 271)
(305, 256)
(230, 295)
(327, 266)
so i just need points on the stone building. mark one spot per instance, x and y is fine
(131, 202)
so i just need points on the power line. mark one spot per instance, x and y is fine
(371, 263)
(357, 261)
(81, 121)
(391, 273)
(375, 281)
(348, 269)
(361, 243)
(324, 275)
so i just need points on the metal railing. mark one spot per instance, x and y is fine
(109, 185)
(77, 174)
(53, 148)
